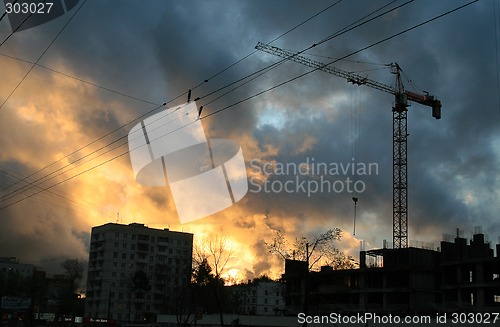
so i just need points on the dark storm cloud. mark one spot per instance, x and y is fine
(159, 50)
(438, 58)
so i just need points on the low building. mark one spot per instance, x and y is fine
(10, 265)
(261, 297)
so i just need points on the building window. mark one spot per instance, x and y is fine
(124, 256)
(115, 255)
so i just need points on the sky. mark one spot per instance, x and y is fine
(102, 65)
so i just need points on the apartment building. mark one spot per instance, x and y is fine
(136, 272)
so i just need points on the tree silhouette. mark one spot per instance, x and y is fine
(208, 287)
(318, 249)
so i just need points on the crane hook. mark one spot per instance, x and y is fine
(355, 199)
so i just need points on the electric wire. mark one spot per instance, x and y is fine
(79, 79)
(343, 57)
(43, 53)
(348, 60)
(353, 25)
(265, 91)
(273, 40)
(72, 166)
(17, 28)
(329, 38)
(356, 24)
(55, 195)
(262, 71)
(183, 94)
(5, 13)
(496, 4)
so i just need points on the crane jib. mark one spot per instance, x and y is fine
(424, 99)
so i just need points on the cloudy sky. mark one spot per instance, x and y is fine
(103, 65)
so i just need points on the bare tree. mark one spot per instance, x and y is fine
(74, 269)
(216, 250)
(68, 293)
(319, 249)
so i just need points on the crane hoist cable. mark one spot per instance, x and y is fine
(355, 135)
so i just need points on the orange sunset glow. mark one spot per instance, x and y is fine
(72, 90)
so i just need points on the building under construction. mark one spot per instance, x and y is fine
(459, 276)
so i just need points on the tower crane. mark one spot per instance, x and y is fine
(399, 130)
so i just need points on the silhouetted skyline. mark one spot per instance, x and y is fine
(159, 50)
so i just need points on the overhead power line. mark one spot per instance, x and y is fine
(259, 93)
(256, 74)
(262, 71)
(17, 28)
(5, 13)
(343, 57)
(43, 53)
(57, 197)
(157, 107)
(79, 79)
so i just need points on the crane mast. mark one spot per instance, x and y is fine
(399, 130)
